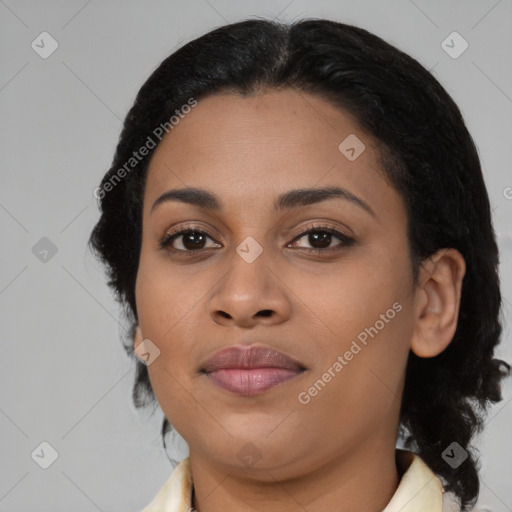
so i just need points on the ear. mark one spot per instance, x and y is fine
(137, 337)
(437, 302)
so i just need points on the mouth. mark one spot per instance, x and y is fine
(250, 370)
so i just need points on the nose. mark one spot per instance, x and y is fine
(249, 294)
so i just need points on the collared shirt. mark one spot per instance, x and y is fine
(419, 489)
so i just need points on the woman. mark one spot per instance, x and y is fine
(297, 223)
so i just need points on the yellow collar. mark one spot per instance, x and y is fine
(419, 489)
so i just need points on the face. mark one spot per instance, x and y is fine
(324, 280)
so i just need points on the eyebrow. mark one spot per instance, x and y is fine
(292, 199)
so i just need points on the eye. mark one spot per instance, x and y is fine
(320, 238)
(190, 240)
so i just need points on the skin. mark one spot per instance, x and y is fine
(336, 452)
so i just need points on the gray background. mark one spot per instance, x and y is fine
(65, 377)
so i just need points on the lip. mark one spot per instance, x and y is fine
(250, 370)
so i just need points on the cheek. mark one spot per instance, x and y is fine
(177, 399)
(356, 295)
(164, 297)
(369, 317)
(165, 311)
(360, 380)
(166, 307)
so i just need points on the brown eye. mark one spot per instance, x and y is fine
(320, 239)
(188, 239)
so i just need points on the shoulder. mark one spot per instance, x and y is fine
(451, 504)
(176, 493)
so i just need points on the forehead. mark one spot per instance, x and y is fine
(254, 147)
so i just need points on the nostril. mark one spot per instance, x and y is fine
(265, 312)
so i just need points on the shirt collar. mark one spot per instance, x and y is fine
(419, 489)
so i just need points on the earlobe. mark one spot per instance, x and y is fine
(137, 337)
(437, 302)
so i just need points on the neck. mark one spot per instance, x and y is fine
(360, 479)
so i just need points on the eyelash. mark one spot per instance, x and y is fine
(345, 240)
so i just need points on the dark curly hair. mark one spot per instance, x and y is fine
(429, 157)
